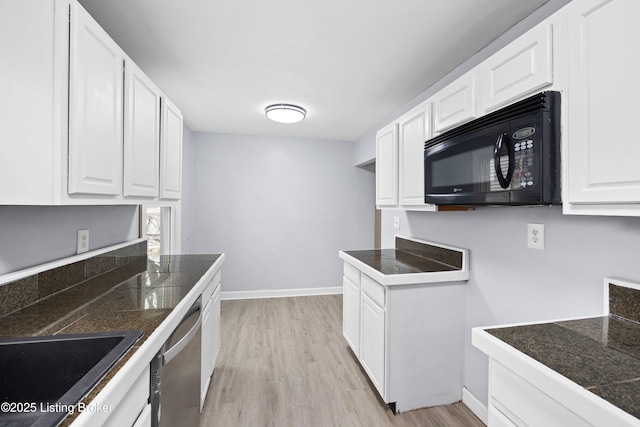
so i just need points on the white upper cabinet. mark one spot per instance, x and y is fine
(95, 108)
(603, 152)
(171, 151)
(387, 166)
(142, 134)
(79, 122)
(455, 104)
(414, 129)
(523, 67)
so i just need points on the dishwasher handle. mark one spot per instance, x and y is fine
(172, 352)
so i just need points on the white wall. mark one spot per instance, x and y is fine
(280, 208)
(511, 283)
(33, 235)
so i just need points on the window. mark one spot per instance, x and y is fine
(157, 220)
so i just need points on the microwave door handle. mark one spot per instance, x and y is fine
(497, 149)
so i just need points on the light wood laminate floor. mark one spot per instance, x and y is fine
(284, 362)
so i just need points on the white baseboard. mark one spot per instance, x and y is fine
(280, 293)
(475, 405)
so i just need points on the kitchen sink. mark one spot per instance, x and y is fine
(43, 378)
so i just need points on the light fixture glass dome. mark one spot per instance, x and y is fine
(285, 113)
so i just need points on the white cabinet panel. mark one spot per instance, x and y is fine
(525, 405)
(351, 315)
(603, 65)
(413, 130)
(95, 108)
(455, 104)
(142, 134)
(521, 68)
(171, 151)
(387, 166)
(372, 342)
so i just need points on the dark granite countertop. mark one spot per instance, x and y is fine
(601, 354)
(136, 296)
(396, 261)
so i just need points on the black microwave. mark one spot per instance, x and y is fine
(508, 157)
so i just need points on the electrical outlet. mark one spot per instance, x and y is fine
(535, 236)
(396, 222)
(83, 241)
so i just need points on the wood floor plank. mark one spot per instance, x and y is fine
(284, 362)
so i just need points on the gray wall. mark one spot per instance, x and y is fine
(33, 235)
(280, 208)
(186, 202)
(511, 283)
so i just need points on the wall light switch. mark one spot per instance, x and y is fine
(83, 241)
(396, 222)
(535, 236)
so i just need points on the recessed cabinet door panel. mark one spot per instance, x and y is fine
(455, 104)
(351, 315)
(372, 342)
(603, 147)
(95, 108)
(142, 134)
(171, 152)
(387, 166)
(521, 68)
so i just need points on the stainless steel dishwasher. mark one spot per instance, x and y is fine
(175, 374)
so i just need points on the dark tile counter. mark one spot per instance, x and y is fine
(138, 295)
(425, 261)
(601, 354)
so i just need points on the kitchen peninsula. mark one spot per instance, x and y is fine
(403, 317)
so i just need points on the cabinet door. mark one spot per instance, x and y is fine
(414, 129)
(351, 315)
(521, 68)
(372, 341)
(95, 108)
(142, 134)
(455, 104)
(602, 150)
(215, 314)
(171, 151)
(207, 351)
(387, 166)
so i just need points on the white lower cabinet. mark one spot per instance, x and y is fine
(408, 338)
(351, 314)
(127, 411)
(515, 402)
(372, 340)
(144, 420)
(210, 334)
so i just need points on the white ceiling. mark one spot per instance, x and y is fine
(349, 63)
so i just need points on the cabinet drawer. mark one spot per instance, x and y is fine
(524, 404)
(352, 273)
(208, 291)
(374, 290)
(211, 286)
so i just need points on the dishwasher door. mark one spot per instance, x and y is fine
(175, 374)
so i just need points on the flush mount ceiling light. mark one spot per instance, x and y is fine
(285, 113)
